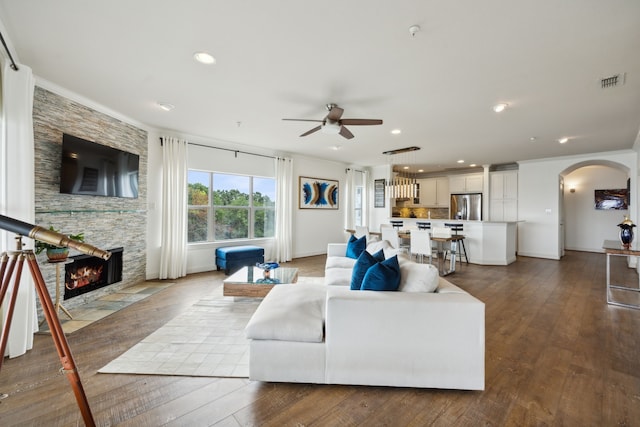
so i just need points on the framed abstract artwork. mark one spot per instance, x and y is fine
(611, 199)
(317, 193)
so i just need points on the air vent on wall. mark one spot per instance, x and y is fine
(612, 81)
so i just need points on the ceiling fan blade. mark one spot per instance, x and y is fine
(335, 113)
(360, 122)
(304, 120)
(315, 129)
(346, 132)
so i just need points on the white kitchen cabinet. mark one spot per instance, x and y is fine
(471, 183)
(503, 203)
(434, 192)
(442, 192)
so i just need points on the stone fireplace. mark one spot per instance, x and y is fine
(107, 222)
(88, 273)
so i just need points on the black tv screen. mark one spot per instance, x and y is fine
(94, 169)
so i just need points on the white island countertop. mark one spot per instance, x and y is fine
(486, 242)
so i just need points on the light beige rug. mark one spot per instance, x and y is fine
(206, 340)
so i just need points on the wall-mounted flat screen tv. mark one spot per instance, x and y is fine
(611, 199)
(94, 169)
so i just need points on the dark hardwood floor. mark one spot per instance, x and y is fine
(556, 354)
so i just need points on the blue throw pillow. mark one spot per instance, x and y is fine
(384, 276)
(356, 246)
(379, 256)
(364, 262)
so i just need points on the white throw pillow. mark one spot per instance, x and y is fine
(290, 312)
(415, 277)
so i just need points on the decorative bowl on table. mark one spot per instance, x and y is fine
(266, 268)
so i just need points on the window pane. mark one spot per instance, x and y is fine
(197, 225)
(230, 190)
(358, 196)
(231, 223)
(265, 223)
(198, 184)
(264, 192)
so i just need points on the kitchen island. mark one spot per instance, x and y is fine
(487, 242)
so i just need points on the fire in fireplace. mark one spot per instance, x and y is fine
(87, 273)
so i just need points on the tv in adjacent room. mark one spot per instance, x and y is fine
(88, 168)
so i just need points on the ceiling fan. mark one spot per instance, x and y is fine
(332, 123)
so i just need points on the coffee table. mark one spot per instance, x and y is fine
(249, 281)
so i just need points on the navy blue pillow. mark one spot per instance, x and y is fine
(379, 256)
(364, 262)
(384, 276)
(356, 246)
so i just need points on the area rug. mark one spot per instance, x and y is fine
(206, 340)
(104, 306)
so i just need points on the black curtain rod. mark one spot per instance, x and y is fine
(355, 170)
(229, 149)
(13, 63)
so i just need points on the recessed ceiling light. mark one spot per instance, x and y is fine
(420, 170)
(499, 108)
(460, 161)
(204, 58)
(406, 167)
(472, 165)
(563, 140)
(533, 138)
(336, 148)
(166, 106)
(396, 132)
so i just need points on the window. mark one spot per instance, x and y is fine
(226, 207)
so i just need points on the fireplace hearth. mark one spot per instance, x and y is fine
(87, 273)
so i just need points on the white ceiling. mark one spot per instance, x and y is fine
(289, 58)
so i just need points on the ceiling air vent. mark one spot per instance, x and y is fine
(612, 81)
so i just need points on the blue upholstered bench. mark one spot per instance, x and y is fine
(232, 258)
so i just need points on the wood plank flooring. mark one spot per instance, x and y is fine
(556, 354)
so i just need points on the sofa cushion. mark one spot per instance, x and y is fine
(290, 312)
(415, 277)
(339, 262)
(383, 276)
(364, 262)
(338, 276)
(356, 246)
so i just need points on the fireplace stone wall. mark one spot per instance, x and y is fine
(107, 222)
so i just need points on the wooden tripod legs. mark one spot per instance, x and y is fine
(57, 334)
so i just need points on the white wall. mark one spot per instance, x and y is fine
(539, 196)
(585, 227)
(314, 228)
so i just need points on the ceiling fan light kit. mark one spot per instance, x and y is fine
(333, 124)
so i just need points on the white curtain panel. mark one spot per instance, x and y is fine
(349, 198)
(173, 251)
(284, 209)
(17, 195)
(365, 198)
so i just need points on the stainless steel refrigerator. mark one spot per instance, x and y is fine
(466, 206)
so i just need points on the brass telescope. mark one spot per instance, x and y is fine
(52, 237)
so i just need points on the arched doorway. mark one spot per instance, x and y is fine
(582, 226)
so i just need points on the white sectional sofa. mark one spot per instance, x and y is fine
(334, 335)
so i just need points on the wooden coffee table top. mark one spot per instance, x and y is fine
(250, 282)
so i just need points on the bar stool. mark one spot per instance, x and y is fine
(455, 227)
(397, 224)
(423, 225)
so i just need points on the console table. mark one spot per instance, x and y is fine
(614, 247)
